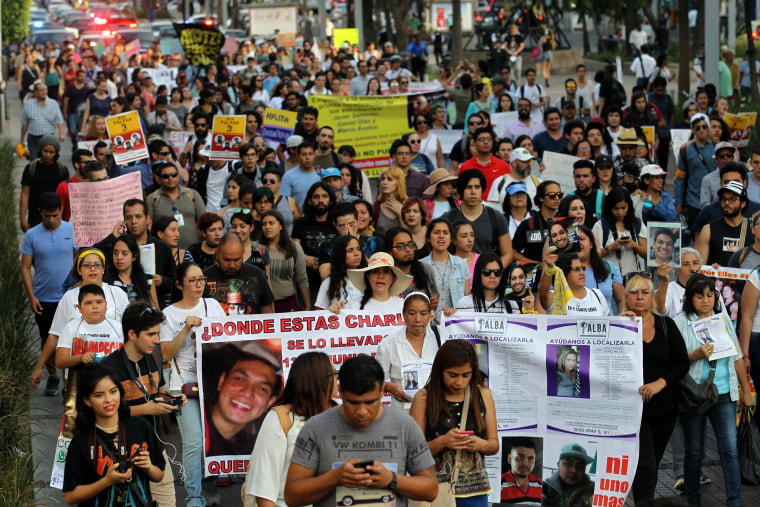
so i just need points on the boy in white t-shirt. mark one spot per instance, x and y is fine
(93, 336)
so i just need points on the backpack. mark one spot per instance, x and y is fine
(606, 234)
(522, 90)
(617, 95)
(283, 412)
(63, 171)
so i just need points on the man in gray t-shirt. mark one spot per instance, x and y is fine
(360, 451)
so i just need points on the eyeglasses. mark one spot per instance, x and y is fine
(496, 272)
(91, 265)
(164, 153)
(484, 139)
(268, 181)
(699, 128)
(555, 195)
(422, 122)
(577, 269)
(170, 175)
(731, 200)
(404, 246)
(628, 276)
(403, 82)
(724, 156)
(259, 145)
(196, 281)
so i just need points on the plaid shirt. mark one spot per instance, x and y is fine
(41, 120)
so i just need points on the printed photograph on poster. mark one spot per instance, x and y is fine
(228, 133)
(522, 460)
(664, 244)
(569, 470)
(411, 380)
(563, 235)
(731, 292)
(240, 381)
(567, 371)
(127, 137)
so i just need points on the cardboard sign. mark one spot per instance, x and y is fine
(737, 124)
(747, 132)
(227, 134)
(178, 140)
(278, 125)
(127, 137)
(132, 47)
(559, 168)
(169, 46)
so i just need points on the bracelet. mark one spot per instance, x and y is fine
(550, 270)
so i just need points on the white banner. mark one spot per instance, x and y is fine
(559, 168)
(563, 383)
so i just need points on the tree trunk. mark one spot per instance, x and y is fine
(683, 42)
(456, 33)
(370, 29)
(586, 40)
(699, 32)
(400, 12)
(631, 21)
(751, 50)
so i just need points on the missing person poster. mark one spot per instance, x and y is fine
(228, 133)
(664, 244)
(729, 282)
(127, 137)
(244, 361)
(567, 404)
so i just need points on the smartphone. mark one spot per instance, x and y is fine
(364, 464)
(467, 432)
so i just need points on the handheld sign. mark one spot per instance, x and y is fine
(127, 137)
(227, 134)
(278, 125)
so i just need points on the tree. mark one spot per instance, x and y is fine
(683, 43)
(751, 50)
(15, 19)
(456, 32)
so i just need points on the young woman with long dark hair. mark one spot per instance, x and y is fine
(287, 264)
(489, 284)
(337, 287)
(622, 236)
(128, 273)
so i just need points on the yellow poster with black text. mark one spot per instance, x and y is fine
(127, 137)
(369, 124)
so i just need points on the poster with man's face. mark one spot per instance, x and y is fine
(664, 244)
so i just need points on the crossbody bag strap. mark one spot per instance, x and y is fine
(176, 366)
(712, 371)
(137, 495)
(462, 426)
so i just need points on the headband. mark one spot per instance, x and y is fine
(417, 293)
(89, 251)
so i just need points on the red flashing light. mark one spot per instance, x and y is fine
(488, 9)
(478, 18)
(540, 18)
(133, 25)
(501, 15)
(100, 21)
(209, 22)
(335, 4)
(519, 20)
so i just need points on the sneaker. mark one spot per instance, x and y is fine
(679, 485)
(703, 479)
(52, 386)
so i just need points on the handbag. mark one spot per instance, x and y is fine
(694, 398)
(536, 52)
(446, 496)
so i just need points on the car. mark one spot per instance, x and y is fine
(167, 32)
(144, 34)
(158, 25)
(54, 35)
(239, 35)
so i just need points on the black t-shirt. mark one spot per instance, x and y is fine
(312, 234)
(200, 257)
(150, 376)
(46, 178)
(530, 236)
(241, 294)
(513, 41)
(489, 227)
(81, 470)
(76, 96)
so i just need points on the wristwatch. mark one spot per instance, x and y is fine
(392, 485)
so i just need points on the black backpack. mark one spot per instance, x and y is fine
(617, 95)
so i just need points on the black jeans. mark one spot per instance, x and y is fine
(43, 324)
(654, 434)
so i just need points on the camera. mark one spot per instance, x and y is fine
(631, 167)
(175, 401)
(126, 464)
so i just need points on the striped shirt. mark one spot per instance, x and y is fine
(511, 492)
(41, 120)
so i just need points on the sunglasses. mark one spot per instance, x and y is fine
(724, 156)
(496, 272)
(577, 269)
(700, 128)
(268, 181)
(202, 125)
(415, 142)
(630, 275)
(422, 122)
(403, 82)
(151, 310)
(555, 195)
(475, 124)
(170, 175)
(244, 211)
(164, 153)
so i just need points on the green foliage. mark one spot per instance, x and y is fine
(15, 19)
(742, 45)
(16, 360)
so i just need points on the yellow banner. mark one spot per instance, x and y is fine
(369, 124)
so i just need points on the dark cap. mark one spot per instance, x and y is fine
(568, 104)
(603, 161)
(498, 80)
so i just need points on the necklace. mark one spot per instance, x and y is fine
(442, 276)
(107, 430)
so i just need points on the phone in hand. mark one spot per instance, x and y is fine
(364, 464)
(467, 432)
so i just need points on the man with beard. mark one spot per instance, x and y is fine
(524, 124)
(733, 171)
(552, 139)
(241, 289)
(569, 486)
(297, 182)
(695, 162)
(325, 155)
(722, 237)
(314, 228)
(725, 153)
(201, 125)
(519, 485)
(521, 162)
(583, 175)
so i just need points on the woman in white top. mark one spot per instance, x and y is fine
(309, 391)
(407, 353)
(431, 145)
(89, 268)
(337, 287)
(584, 302)
(380, 282)
(178, 340)
(489, 284)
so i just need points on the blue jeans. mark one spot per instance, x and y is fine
(722, 416)
(192, 451)
(73, 130)
(754, 359)
(33, 145)
(473, 501)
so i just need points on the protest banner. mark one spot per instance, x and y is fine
(227, 134)
(748, 128)
(729, 282)
(649, 134)
(201, 44)
(270, 19)
(559, 168)
(178, 140)
(227, 342)
(350, 35)
(501, 120)
(96, 207)
(448, 138)
(127, 137)
(737, 124)
(600, 411)
(165, 76)
(230, 44)
(278, 125)
(88, 145)
(679, 137)
(132, 48)
(169, 46)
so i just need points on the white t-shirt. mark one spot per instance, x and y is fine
(629, 260)
(674, 301)
(116, 301)
(467, 303)
(215, 188)
(81, 337)
(534, 94)
(185, 358)
(350, 292)
(593, 304)
(394, 305)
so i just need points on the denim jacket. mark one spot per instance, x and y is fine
(460, 273)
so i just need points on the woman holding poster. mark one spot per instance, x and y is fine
(700, 302)
(409, 352)
(489, 284)
(178, 337)
(665, 364)
(439, 408)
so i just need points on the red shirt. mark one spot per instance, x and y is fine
(63, 191)
(512, 493)
(494, 169)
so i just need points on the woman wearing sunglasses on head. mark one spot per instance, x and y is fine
(563, 291)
